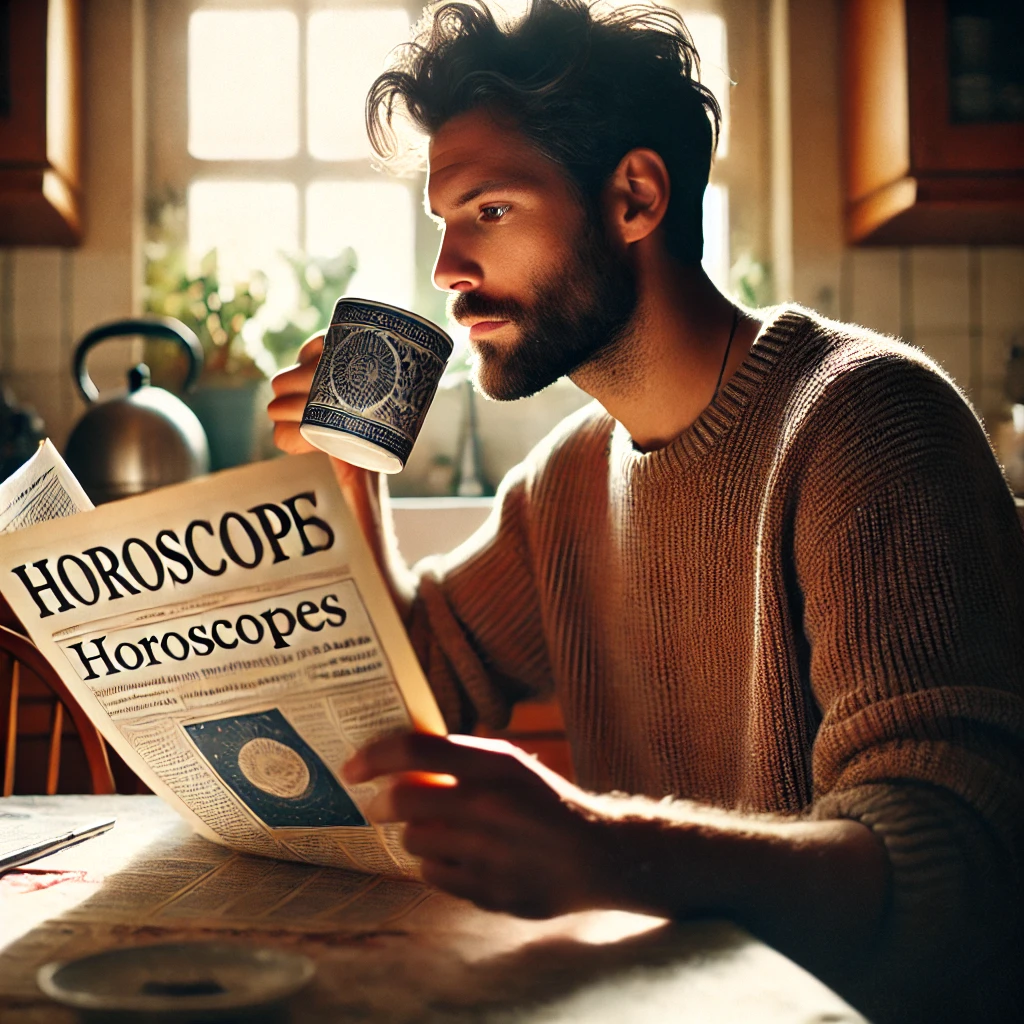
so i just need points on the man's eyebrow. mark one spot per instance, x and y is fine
(494, 185)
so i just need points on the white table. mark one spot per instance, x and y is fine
(384, 950)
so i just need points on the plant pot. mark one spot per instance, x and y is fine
(233, 414)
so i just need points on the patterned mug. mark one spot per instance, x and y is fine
(374, 383)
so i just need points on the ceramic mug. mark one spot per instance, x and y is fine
(376, 378)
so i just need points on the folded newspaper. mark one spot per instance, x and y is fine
(233, 641)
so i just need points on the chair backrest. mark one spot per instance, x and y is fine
(24, 713)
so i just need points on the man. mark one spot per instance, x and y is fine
(773, 575)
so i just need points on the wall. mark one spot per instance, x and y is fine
(962, 305)
(50, 297)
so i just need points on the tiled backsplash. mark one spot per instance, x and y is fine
(963, 306)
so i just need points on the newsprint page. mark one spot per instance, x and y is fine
(233, 641)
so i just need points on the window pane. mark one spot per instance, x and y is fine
(716, 235)
(376, 218)
(243, 84)
(346, 51)
(709, 36)
(250, 224)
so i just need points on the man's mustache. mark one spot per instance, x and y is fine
(464, 305)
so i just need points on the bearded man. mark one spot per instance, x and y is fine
(773, 575)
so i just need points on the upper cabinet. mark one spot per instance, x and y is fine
(40, 102)
(933, 121)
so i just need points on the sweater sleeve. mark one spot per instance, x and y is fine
(910, 561)
(475, 622)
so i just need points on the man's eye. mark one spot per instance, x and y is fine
(492, 213)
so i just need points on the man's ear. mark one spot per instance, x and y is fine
(636, 197)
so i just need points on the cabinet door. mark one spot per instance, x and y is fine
(930, 157)
(963, 57)
(40, 75)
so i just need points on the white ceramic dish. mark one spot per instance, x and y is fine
(177, 980)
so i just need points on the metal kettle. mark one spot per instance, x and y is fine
(145, 437)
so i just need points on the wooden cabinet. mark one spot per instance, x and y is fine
(40, 101)
(933, 121)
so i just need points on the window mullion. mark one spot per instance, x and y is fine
(302, 183)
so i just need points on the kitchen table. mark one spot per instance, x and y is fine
(384, 950)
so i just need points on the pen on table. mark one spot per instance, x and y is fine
(54, 844)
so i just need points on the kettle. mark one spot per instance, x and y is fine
(141, 439)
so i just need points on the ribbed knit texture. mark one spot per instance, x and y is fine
(811, 602)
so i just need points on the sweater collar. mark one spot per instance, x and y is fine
(780, 325)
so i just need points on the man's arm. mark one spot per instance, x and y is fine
(513, 836)
(365, 492)
(474, 622)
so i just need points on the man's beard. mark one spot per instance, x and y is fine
(578, 313)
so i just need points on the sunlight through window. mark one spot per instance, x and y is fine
(716, 235)
(243, 100)
(345, 52)
(376, 219)
(251, 224)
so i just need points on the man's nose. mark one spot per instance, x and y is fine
(454, 270)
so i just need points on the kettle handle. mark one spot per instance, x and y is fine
(151, 327)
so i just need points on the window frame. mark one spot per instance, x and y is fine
(743, 173)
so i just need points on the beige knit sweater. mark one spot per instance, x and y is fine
(811, 602)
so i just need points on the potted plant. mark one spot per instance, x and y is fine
(240, 352)
(229, 392)
(321, 282)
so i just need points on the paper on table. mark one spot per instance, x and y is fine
(27, 835)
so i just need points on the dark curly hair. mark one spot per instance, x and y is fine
(585, 86)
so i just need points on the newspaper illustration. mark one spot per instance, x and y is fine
(233, 641)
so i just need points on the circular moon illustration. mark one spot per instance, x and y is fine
(274, 768)
(364, 370)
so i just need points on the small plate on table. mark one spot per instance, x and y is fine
(179, 982)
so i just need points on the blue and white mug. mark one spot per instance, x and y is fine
(374, 383)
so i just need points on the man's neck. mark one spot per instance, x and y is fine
(663, 374)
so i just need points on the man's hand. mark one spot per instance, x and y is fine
(490, 823)
(291, 389)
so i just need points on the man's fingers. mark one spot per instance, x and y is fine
(293, 380)
(298, 377)
(436, 841)
(441, 755)
(287, 408)
(454, 878)
(311, 348)
(415, 801)
(288, 439)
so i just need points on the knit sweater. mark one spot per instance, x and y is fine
(810, 602)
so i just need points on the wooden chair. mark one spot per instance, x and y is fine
(34, 712)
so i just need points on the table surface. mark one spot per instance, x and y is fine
(385, 950)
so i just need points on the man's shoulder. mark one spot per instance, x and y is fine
(830, 362)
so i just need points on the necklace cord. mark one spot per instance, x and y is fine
(728, 347)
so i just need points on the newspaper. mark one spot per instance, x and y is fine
(233, 641)
(44, 488)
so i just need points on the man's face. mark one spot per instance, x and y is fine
(534, 278)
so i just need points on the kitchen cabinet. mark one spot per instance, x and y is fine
(933, 121)
(40, 102)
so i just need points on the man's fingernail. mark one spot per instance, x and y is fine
(353, 769)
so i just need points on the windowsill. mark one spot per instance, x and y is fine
(429, 526)
(432, 503)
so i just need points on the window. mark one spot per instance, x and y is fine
(271, 154)
(278, 160)
(264, 137)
